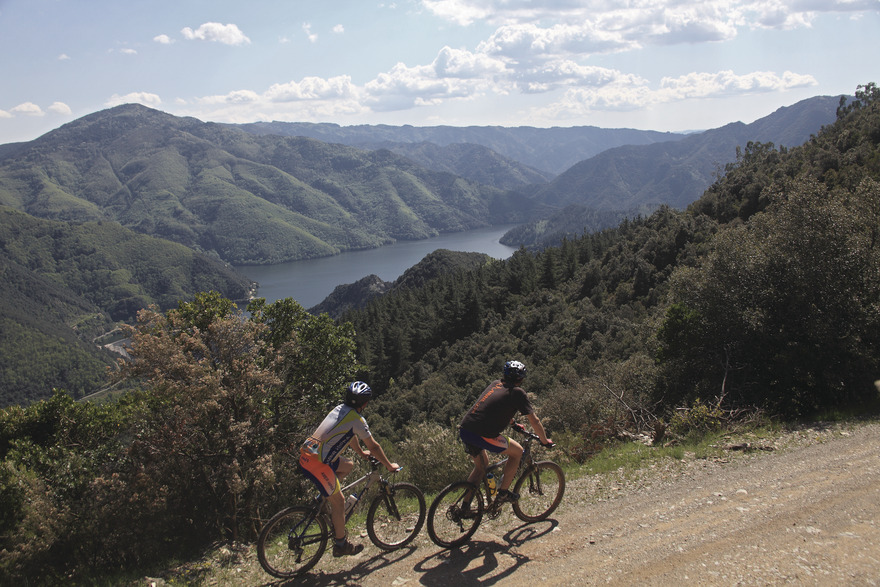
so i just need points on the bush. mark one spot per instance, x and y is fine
(698, 419)
(434, 456)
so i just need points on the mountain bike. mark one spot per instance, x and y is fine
(540, 485)
(293, 540)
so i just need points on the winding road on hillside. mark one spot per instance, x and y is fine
(804, 510)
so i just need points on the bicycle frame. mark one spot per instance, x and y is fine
(525, 462)
(368, 480)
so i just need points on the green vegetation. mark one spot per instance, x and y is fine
(762, 294)
(243, 198)
(65, 284)
(757, 304)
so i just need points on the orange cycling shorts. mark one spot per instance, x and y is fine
(319, 473)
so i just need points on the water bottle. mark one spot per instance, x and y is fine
(350, 502)
(490, 480)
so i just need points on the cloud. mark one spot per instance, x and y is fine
(145, 98)
(128, 51)
(33, 110)
(622, 92)
(313, 88)
(307, 29)
(726, 83)
(63, 57)
(163, 39)
(525, 43)
(228, 34)
(454, 74)
(60, 108)
(643, 21)
(339, 29)
(458, 11)
(27, 109)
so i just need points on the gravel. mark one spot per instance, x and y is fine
(800, 508)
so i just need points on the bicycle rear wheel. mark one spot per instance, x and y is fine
(449, 524)
(396, 516)
(540, 490)
(292, 541)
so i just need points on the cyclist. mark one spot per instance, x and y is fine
(481, 427)
(320, 461)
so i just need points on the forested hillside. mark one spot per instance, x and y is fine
(242, 197)
(350, 296)
(65, 284)
(762, 295)
(763, 292)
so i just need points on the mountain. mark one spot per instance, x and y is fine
(677, 172)
(353, 296)
(631, 180)
(474, 162)
(65, 284)
(242, 197)
(550, 150)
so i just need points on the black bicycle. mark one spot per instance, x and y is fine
(540, 485)
(294, 539)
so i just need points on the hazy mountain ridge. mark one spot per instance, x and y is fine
(551, 150)
(676, 173)
(625, 181)
(247, 198)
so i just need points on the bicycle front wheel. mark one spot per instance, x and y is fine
(396, 515)
(292, 541)
(540, 490)
(452, 519)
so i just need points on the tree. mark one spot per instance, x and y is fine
(783, 312)
(229, 396)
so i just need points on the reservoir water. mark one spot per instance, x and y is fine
(312, 280)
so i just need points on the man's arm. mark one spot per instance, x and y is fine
(377, 452)
(358, 449)
(538, 428)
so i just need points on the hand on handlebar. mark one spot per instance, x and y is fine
(518, 427)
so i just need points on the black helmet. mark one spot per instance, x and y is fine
(514, 370)
(357, 394)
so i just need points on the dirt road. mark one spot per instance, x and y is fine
(802, 508)
(804, 513)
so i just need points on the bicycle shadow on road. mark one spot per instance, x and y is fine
(481, 562)
(352, 576)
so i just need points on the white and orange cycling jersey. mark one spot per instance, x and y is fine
(320, 452)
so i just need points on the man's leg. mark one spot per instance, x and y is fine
(337, 514)
(513, 453)
(481, 463)
(344, 468)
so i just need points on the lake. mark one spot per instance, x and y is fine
(312, 280)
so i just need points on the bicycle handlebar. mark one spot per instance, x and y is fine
(522, 430)
(374, 463)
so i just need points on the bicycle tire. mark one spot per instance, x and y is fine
(395, 517)
(285, 548)
(540, 490)
(446, 527)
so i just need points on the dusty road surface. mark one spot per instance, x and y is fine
(799, 509)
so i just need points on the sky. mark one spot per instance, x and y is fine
(678, 65)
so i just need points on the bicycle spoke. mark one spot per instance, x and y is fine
(540, 491)
(396, 517)
(450, 522)
(292, 542)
